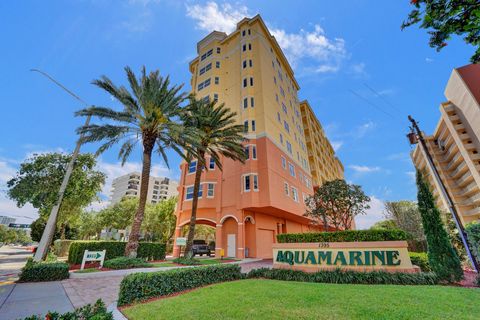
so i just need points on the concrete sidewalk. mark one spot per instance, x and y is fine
(25, 299)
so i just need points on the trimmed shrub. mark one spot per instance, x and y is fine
(142, 286)
(420, 259)
(146, 250)
(43, 271)
(343, 236)
(125, 263)
(473, 233)
(346, 277)
(96, 312)
(186, 261)
(61, 247)
(478, 280)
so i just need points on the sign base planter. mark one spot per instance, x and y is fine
(390, 256)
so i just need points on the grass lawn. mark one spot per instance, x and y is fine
(88, 270)
(272, 299)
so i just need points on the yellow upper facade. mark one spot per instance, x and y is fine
(248, 72)
(324, 165)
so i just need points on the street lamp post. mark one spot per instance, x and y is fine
(49, 230)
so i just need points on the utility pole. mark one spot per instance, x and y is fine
(415, 136)
(49, 230)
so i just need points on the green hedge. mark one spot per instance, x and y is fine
(142, 286)
(343, 236)
(346, 277)
(125, 263)
(98, 311)
(420, 259)
(43, 271)
(146, 250)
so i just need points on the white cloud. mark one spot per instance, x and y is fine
(363, 129)
(359, 70)
(316, 52)
(401, 156)
(216, 17)
(428, 60)
(336, 145)
(412, 176)
(364, 169)
(374, 214)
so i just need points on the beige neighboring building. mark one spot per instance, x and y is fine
(455, 144)
(129, 186)
(324, 164)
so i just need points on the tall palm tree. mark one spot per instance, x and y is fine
(217, 134)
(149, 116)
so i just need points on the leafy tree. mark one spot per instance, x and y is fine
(9, 235)
(384, 225)
(38, 180)
(148, 115)
(89, 225)
(444, 18)
(160, 220)
(473, 232)
(217, 135)
(120, 215)
(337, 203)
(442, 256)
(38, 226)
(406, 216)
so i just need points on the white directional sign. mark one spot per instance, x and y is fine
(93, 256)
(181, 241)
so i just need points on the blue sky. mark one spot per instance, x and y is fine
(360, 72)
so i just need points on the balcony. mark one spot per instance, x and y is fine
(467, 177)
(460, 169)
(472, 212)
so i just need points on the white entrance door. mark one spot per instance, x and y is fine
(231, 245)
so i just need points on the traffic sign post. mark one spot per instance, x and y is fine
(93, 256)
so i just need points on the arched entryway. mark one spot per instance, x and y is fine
(230, 236)
(205, 229)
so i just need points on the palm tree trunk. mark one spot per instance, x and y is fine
(193, 218)
(132, 245)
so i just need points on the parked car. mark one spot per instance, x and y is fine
(201, 247)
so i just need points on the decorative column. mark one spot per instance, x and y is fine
(241, 240)
(219, 241)
(176, 249)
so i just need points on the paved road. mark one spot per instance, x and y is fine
(12, 260)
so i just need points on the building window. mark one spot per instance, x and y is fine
(218, 51)
(210, 190)
(252, 102)
(287, 127)
(250, 63)
(253, 125)
(245, 82)
(274, 80)
(249, 46)
(254, 152)
(276, 97)
(245, 126)
(243, 33)
(249, 33)
(291, 168)
(284, 107)
(244, 47)
(217, 64)
(217, 80)
(247, 152)
(211, 165)
(284, 162)
(286, 188)
(192, 166)
(289, 147)
(278, 117)
(295, 194)
(245, 103)
(246, 183)
(255, 182)
(281, 138)
(251, 81)
(215, 97)
(244, 64)
(189, 193)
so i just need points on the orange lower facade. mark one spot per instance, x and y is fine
(247, 216)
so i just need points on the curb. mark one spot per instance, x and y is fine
(117, 315)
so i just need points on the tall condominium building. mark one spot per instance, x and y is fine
(129, 186)
(324, 165)
(455, 144)
(249, 204)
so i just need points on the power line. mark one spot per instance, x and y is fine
(371, 103)
(383, 98)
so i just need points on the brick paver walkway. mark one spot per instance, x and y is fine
(88, 290)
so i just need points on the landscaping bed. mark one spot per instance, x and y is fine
(273, 299)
